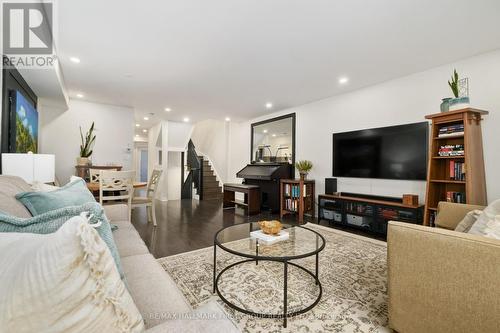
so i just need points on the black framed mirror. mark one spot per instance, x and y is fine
(273, 140)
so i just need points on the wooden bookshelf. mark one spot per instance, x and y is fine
(297, 197)
(439, 180)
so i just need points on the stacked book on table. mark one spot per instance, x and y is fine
(267, 239)
(451, 131)
(451, 150)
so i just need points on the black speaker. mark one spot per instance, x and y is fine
(330, 185)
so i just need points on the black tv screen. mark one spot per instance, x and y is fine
(396, 152)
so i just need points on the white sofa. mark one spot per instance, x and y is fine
(156, 295)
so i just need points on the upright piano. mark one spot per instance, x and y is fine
(267, 176)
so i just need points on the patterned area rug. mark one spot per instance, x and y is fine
(353, 274)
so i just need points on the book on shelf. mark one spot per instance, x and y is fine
(292, 204)
(452, 130)
(293, 190)
(451, 150)
(457, 197)
(432, 219)
(457, 170)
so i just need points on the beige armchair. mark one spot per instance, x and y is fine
(440, 280)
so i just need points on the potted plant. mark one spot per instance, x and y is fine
(458, 102)
(303, 167)
(86, 146)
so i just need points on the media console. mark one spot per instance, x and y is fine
(366, 212)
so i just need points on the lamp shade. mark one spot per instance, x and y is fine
(30, 167)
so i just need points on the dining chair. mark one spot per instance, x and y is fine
(116, 187)
(94, 174)
(149, 199)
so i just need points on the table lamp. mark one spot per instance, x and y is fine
(30, 167)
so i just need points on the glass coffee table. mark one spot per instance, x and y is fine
(301, 243)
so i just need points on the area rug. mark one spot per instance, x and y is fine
(353, 273)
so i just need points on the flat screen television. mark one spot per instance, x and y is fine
(395, 152)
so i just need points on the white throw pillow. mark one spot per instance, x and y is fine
(63, 282)
(41, 187)
(488, 214)
(493, 228)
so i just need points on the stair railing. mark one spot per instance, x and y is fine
(194, 165)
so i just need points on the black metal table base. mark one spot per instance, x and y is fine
(285, 263)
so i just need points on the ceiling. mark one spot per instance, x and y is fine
(227, 58)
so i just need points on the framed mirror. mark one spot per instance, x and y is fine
(273, 140)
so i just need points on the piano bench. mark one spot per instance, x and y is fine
(252, 197)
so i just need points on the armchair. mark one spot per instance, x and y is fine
(440, 280)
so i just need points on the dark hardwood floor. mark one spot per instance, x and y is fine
(187, 225)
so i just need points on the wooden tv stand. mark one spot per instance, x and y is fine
(366, 212)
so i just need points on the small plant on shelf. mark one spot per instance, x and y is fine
(303, 167)
(86, 146)
(454, 83)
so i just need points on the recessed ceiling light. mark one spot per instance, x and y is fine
(269, 105)
(228, 119)
(75, 60)
(274, 135)
(79, 95)
(186, 119)
(343, 80)
(146, 118)
(264, 131)
(144, 130)
(168, 109)
(137, 125)
(137, 135)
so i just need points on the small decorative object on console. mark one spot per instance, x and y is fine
(270, 227)
(410, 199)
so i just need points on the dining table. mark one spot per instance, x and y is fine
(94, 187)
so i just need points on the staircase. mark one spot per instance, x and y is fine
(201, 176)
(211, 187)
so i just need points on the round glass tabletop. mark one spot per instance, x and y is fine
(298, 242)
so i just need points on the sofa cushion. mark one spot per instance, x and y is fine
(127, 240)
(63, 282)
(153, 290)
(51, 221)
(210, 317)
(488, 214)
(9, 187)
(468, 221)
(72, 194)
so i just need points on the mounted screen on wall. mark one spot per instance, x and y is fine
(396, 152)
(24, 127)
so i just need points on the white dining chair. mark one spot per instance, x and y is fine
(149, 199)
(116, 187)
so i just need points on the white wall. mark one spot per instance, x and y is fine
(399, 101)
(178, 135)
(211, 138)
(174, 175)
(59, 134)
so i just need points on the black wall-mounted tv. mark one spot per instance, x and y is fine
(396, 152)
